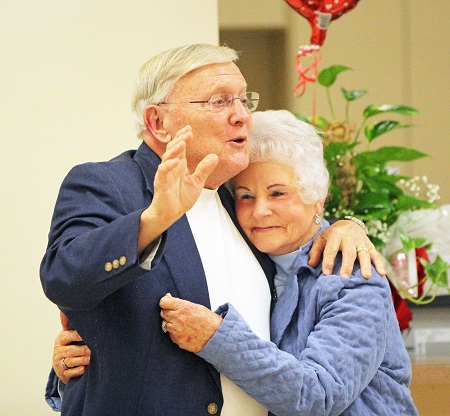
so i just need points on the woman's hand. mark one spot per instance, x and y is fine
(189, 325)
(351, 239)
(76, 357)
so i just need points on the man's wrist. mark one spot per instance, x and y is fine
(357, 221)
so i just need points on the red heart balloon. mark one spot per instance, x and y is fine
(320, 13)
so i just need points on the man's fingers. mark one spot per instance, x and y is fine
(70, 352)
(176, 147)
(365, 264)
(66, 375)
(206, 167)
(76, 357)
(75, 371)
(183, 136)
(316, 251)
(378, 261)
(175, 151)
(326, 248)
(73, 362)
(64, 321)
(348, 261)
(67, 338)
(329, 257)
(168, 302)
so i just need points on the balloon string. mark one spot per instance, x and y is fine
(307, 75)
(314, 105)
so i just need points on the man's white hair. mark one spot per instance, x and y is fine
(157, 77)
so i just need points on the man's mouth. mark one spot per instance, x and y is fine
(238, 140)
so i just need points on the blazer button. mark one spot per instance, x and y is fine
(212, 408)
(123, 261)
(108, 266)
(115, 264)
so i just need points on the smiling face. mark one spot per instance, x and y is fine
(225, 133)
(270, 211)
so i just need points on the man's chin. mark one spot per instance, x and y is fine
(225, 171)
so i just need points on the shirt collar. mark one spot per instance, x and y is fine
(294, 261)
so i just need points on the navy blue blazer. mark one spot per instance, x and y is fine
(91, 271)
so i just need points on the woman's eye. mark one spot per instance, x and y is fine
(278, 193)
(245, 196)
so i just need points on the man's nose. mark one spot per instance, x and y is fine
(239, 112)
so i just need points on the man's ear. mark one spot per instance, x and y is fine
(153, 119)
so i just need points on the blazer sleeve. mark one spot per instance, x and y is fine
(92, 249)
(341, 357)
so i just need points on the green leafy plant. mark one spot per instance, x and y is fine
(435, 273)
(363, 183)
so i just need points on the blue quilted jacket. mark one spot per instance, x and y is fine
(336, 348)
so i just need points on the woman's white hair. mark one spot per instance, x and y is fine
(157, 77)
(279, 136)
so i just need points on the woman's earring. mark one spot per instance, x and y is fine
(317, 219)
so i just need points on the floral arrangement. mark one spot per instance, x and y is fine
(365, 185)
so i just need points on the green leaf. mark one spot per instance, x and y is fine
(386, 154)
(301, 117)
(410, 243)
(372, 131)
(381, 184)
(406, 202)
(351, 95)
(371, 201)
(328, 76)
(372, 110)
(321, 122)
(379, 214)
(437, 271)
(336, 148)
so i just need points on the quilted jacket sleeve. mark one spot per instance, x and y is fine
(52, 394)
(342, 354)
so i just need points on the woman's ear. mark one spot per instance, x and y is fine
(153, 119)
(318, 207)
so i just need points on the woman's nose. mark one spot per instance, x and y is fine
(261, 208)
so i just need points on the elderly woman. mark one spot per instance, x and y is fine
(336, 346)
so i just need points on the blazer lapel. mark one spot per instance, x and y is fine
(183, 258)
(185, 264)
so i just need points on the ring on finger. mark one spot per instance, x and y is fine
(64, 366)
(361, 248)
(164, 326)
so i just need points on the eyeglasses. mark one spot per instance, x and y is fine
(219, 101)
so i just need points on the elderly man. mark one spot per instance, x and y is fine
(118, 243)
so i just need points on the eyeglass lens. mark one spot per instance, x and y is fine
(219, 101)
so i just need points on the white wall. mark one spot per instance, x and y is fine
(67, 69)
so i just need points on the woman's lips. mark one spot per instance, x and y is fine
(265, 229)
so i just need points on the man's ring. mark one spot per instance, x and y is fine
(164, 326)
(361, 248)
(64, 366)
